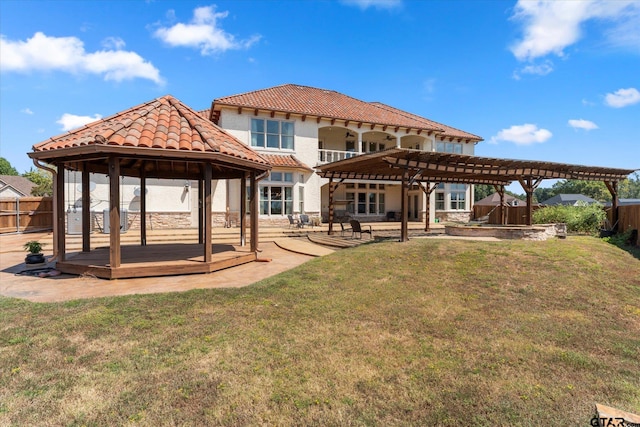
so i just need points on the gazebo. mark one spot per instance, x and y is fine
(427, 169)
(162, 138)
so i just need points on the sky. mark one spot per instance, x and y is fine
(537, 80)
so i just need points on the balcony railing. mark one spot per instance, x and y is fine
(328, 156)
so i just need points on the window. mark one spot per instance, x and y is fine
(272, 134)
(449, 147)
(276, 195)
(440, 201)
(458, 196)
(369, 201)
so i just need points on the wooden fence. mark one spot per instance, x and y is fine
(516, 215)
(26, 214)
(628, 216)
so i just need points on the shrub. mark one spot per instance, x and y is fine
(579, 219)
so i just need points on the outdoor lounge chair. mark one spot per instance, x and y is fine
(304, 220)
(293, 222)
(356, 228)
(343, 229)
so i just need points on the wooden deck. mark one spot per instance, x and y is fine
(155, 260)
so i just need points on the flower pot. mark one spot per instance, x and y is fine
(34, 259)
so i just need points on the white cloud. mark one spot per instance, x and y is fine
(71, 121)
(538, 70)
(203, 32)
(67, 54)
(582, 124)
(622, 98)
(378, 4)
(550, 26)
(27, 111)
(115, 43)
(522, 135)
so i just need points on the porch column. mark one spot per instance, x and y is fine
(404, 203)
(243, 209)
(208, 173)
(427, 194)
(398, 142)
(86, 213)
(359, 148)
(612, 186)
(115, 255)
(529, 185)
(59, 213)
(253, 207)
(143, 206)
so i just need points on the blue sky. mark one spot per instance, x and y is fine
(538, 80)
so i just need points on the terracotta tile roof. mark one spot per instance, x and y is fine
(286, 161)
(305, 100)
(163, 123)
(19, 183)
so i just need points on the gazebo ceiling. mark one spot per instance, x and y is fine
(162, 138)
(446, 167)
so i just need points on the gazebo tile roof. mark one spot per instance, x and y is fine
(163, 123)
(285, 161)
(305, 100)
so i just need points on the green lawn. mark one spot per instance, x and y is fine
(429, 332)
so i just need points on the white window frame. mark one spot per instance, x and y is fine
(266, 134)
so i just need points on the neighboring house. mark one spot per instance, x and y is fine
(569, 200)
(15, 186)
(494, 200)
(299, 127)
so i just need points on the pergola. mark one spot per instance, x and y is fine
(427, 169)
(162, 138)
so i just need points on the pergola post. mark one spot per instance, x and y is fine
(86, 212)
(331, 190)
(427, 190)
(404, 226)
(500, 191)
(143, 206)
(243, 209)
(115, 255)
(208, 173)
(612, 186)
(529, 185)
(253, 207)
(59, 213)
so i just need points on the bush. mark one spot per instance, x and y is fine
(579, 219)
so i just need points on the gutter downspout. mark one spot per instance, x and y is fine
(54, 173)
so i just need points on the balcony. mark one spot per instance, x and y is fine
(328, 156)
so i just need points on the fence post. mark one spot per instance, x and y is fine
(17, 214)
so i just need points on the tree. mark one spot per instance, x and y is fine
(483, 190)
(6, 168)
(630, 188)
(43, 181)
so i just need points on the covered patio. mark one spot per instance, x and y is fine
(428, 169)
(162, 138)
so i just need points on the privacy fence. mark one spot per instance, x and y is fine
(26, 214)
(628, 216)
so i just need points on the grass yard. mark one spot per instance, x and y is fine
(430, 332)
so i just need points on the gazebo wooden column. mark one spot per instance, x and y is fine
(59, 213)
(529, 184)
(143, 207)
(200, 211)
(253, 207)
(86, 210)
(115, 255)
(333, 186)
(500, 190)
(612, 186)
(243, 210)
(208, 173)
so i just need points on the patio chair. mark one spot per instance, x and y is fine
(293, 222)
(304, 220)
(356, 228)
(343, 229)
